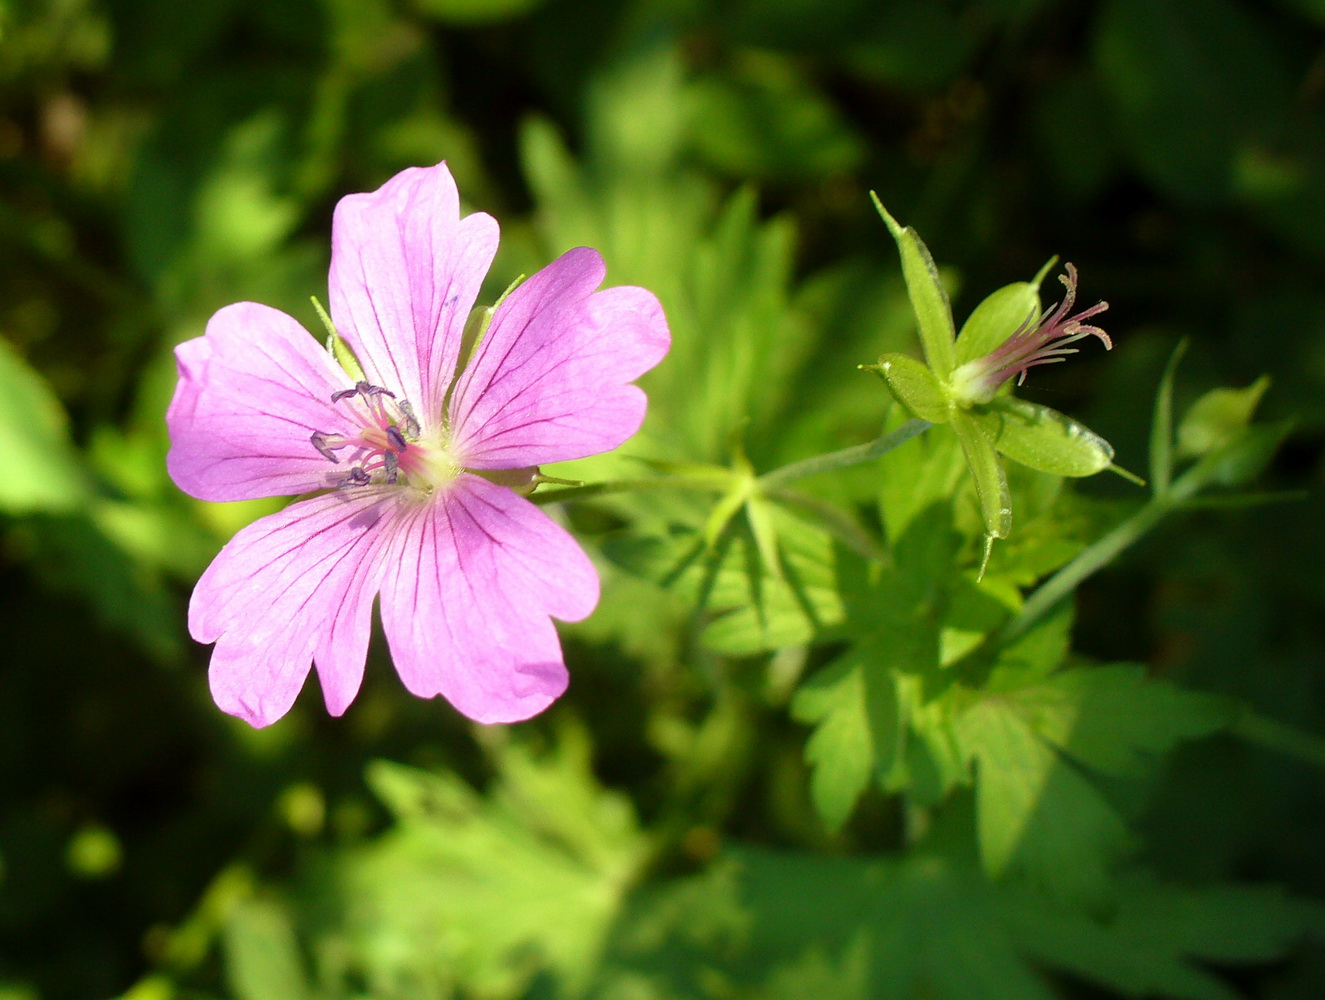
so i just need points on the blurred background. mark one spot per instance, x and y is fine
(161, 159)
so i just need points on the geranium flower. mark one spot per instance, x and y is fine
(963, 381)
(410, 466)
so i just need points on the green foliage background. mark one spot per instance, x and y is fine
(762, 783)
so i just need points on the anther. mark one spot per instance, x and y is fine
(367, 390)
(408, 420)
(396, 438)
(392, 466)
(357, 477)
(340, 394)
(323, 444)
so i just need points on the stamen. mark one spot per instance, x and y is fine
(409, 421)
(323, 444)
(357, 477)
(396, 438)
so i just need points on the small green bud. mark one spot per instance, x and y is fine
(1218, 418)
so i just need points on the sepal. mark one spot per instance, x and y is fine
(928, 299)
(1042, 438)
(914, 386)
(998, 317)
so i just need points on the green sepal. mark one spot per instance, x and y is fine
(914, 386)
(991, 485)
(1218, 418)
(336, 345)
(1042, 438)
(476, 328)
(928, 299)
(997, 318)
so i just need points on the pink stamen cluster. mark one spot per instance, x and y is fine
(1038, 341)
(382, 441)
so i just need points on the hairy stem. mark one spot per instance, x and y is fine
(719, 481)
(855, 455)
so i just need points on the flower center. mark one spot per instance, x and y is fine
(389, 446)
(1041, 340)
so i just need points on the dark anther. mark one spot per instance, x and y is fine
(392, 465)
(337, 396)
(409, 421)
(357, 477)
(396, 438)
(367, 390)
(320, 443)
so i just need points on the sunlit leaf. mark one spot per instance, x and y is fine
(41, 467)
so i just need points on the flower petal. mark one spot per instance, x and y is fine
(550, 380)
(478, 570)
(250, 392)
(291, 587)
(405, 271)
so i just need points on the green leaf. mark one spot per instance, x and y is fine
(1038, 810)
(1118, 721)
(997, 318)
(42, 471)
(925, 472)
(1035, 809)
(1219, 418)
(262, 953)
(1042, 438)
(1235, 464)
(763, 119)
(914, 386)
(1192, 84)
(853, 704)
(461, 883)
(991, 485)
(928, 299)
(930, 925)
(1158, 937)
(764, 610)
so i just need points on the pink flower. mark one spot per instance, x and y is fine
(405, 465)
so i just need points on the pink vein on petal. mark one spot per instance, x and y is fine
(550, 380)
(405, 271)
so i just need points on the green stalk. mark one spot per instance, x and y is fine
(720, 481)
(695, 484)
(1061, 585)
(855, 455)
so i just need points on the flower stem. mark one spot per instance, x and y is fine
(1176, 497)
(855, 455)
(694, 484)
(1090, 561)
(720, 481)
